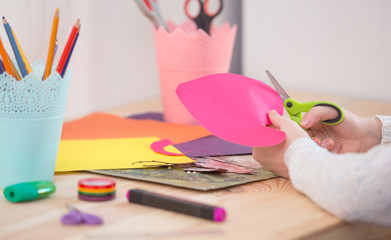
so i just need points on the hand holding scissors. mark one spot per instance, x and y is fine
(295, 108)
(150, 9)
(204, 17)
(75, 217)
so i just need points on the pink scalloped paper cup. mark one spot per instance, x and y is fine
(186, 53)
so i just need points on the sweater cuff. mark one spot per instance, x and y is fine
(298, 159)
(386, 128)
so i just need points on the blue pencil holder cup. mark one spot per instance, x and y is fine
(31, 119)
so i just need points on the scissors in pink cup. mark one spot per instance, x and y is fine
(204, 16)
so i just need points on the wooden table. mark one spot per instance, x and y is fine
(270, 209)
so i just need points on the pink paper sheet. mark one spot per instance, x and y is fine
(159, 147)
(233, 107)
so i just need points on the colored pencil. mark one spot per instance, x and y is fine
(24, 58)
(2, 69)
(70, 54)
(17, 54)
(14, 70)
(68, 47)
(6, 62)
(52, 45)
(55, 51)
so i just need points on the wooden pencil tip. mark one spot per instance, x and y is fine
(4, 20)
(77, 24)
(57, 13)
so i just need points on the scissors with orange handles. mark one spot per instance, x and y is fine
(203, 18)
(295, 108)
(151, 10)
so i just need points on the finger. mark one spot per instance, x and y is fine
(316, 115)
(337, 148)
(276, 119)
(316, 140)
(327, 143)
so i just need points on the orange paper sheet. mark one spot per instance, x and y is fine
(103, 125)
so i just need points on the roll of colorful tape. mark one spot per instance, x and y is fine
(97, 183)
(96, 189)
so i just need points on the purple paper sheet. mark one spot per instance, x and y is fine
(211, 146)
(148, 115)
(202, 147)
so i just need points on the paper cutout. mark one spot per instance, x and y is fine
(123, 153)
(102, 125)
(159, 146)
(233, 107)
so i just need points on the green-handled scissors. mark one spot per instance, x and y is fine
(295, 108)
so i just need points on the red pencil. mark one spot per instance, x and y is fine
(68, 47)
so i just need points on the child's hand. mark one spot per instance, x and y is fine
(272, 158)
(353, 134)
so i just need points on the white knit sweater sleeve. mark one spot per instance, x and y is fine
(355, 187)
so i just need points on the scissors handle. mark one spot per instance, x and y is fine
(295, 109)
(151, 10)
(76, 216)
(204, 16)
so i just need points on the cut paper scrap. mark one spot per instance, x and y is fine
(159, 147)
(103, 125)
(233, 107)
(229, 167)
(121, 153)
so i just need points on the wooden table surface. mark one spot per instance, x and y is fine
(270, 209)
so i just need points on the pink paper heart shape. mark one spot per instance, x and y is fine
(233, 107)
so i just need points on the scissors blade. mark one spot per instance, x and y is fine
(283, 94)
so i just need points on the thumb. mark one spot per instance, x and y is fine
(316, 115)
(276, 119)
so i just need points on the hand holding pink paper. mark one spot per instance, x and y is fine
(233, 107)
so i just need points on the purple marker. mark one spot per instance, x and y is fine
(156, 200)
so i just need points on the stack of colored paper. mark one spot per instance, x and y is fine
(104, 141)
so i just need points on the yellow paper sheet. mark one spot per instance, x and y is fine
(121, 153)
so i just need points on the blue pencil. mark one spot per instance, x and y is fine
(55, 50)
(2, 69)
(18, 56)
(70, 54)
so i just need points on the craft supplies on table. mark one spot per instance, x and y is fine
(76, 217)
(170, 203)
(175, 176)
(187, 51)
(29, 191)
(96, 189)
(32, 106)
(31, 118)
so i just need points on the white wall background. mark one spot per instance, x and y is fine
(114, 60)
(341, 47)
